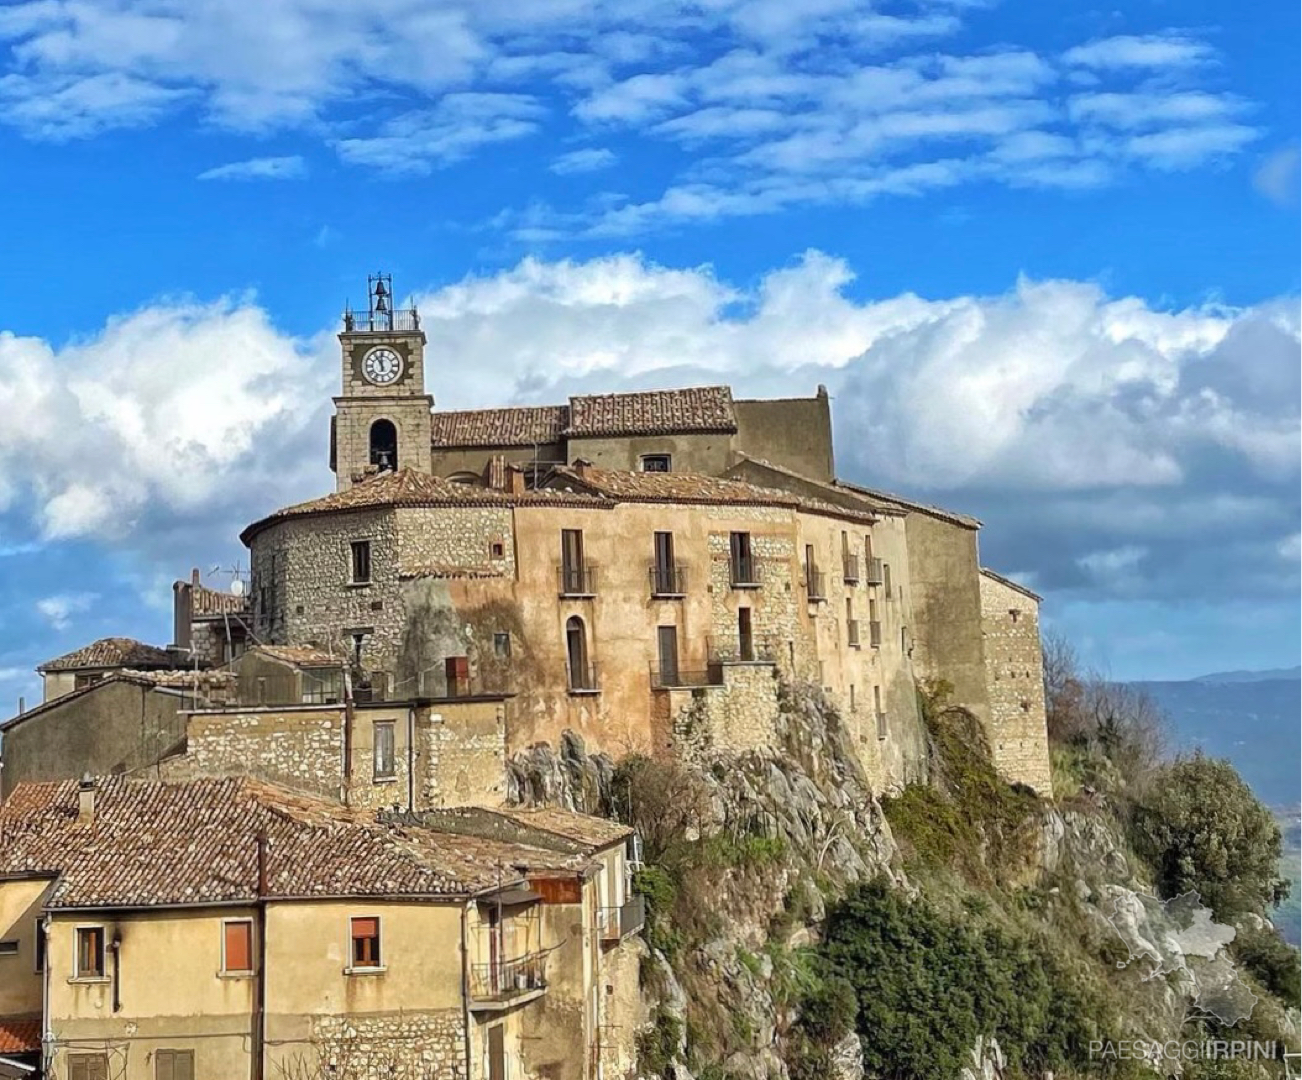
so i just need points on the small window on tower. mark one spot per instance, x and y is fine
(361, 562)
(497, 549)
(656, 462)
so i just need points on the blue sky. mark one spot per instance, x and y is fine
(1045, 258)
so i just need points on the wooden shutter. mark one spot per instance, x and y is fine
(87, 1067)
(164, 1065)
(366, 942)
(239, 946)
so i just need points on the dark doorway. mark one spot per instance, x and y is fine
(496, 1053)
(745, 637)
(664, 580)
(384, 445)
(576, 652)
(668, 642)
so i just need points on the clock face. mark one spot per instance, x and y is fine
(382, 366)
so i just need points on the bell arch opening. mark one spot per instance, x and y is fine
(384, 445)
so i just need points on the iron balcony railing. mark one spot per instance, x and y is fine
(573, 580)
(618, 923)
(875, 633)
(743, 572)
(501, 980)
(361, 322)
(852, 633)
(583, 678)
(850, 568)
(742, 651)
(873, 574)
(668, 580)
(684, 678)
(816, 584)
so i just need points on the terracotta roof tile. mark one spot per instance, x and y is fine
(111, 652)
(301, 655)
(952, 516)
(1010, 583)
(653, 412)
(157, 844)
(20, 1034)
(570, 825)
(519, 426)
(674, 487)
(206, 601)
(408, 488)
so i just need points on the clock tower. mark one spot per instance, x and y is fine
(382, 418)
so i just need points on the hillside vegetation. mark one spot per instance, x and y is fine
(801, 928)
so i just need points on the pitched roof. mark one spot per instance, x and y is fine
(20, 1034)
(1015, 586)
(834, 489)
(653, 412)
(111, 652)
(407, 488)
(570, 825)
(952, 516)
(301, 655)
(672, 487)
(518, 426)
(209, 602)
(162, 844)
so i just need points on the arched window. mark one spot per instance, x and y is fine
(582, 676)
(384, 445)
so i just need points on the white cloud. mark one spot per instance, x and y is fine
(263, 168)
(583, 161)
(1105, 422)
(58, 610)
(1171, 49)
(1278, 175)
(419, 141)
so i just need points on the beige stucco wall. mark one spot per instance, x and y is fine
(116, 727)
(1010, 628)
(57, 683)
(462, 461)
(795, 433)
(20, 907)
(708, 453)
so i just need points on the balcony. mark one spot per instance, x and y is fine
(743, 573)
(617, 923)
(873, 574)
(850, 568)
(683, 679)
(852, 633)
(816, 585)
(576, 582)
(742, 651)
(668, 582)
(583, 679)
(361, 322)
(875, 633)
(502, 983)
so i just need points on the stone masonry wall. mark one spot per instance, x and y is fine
(739, 716)
(394, 1046)
(458, 538)
(301, 749)
(465, 748)
(1010, 628)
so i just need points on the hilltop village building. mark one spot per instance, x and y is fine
(641, 570)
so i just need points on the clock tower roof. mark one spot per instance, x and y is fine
(382, 315)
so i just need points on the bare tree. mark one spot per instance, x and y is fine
(663, 800)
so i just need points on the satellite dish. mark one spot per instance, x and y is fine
(237, 587)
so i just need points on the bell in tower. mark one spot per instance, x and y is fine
(382, 417)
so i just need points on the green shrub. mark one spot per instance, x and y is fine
(1272, 961)
(657, 1046)
(927, 984)
(1201, 828)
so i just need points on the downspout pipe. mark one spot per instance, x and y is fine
(257, 1065)
(411, 758)
(465, 981)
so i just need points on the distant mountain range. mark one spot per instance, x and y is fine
(1251, 718)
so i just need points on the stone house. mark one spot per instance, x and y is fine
(88, 665)
(231, 928)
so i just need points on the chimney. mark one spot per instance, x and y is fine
(85, 800)
(581, 466)
(495, 473)
(515, 480)
(194, 576)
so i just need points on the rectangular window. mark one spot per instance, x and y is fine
(886, 579)
(39, 941)
(573, 581)
(366, 942)
(90, 952)
(361, 562)
(87, 1067)
(664, 576)
(9, 947)
(173, 1065)
(237, 947)
(383, 734)
(502, 644)
(867, 546)
(743, 562)
(745, 635)
(656, 462)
